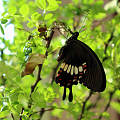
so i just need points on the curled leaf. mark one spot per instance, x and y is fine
(33, 61)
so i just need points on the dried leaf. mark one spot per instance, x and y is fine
(33, 61)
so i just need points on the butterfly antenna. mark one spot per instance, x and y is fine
(83, 22)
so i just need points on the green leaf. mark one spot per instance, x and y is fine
(3, 21)
(4, 113)
(116, 106)
(12, 10)
(24, 10)
(2, 30)
(76, 1)
(48, 16)
(30, 24)
(53, 5)
(10, 72)
(41, 4)
(35, 16)
(106, 114)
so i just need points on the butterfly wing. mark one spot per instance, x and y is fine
(80, 64)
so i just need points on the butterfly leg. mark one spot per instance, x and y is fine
(70, 94)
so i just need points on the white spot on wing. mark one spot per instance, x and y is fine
(84, 63)
(80, 77)
(74, 80)
(85, 70)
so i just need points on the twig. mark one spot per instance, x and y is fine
(21, 113)
(95, 103)
(45, 110)
(84, 103)
(107, 18)
(106, 46)
(108, 104)
(50, 109)
(38, 79)
(110, 39)
(12, 116)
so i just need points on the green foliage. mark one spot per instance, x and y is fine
(33, 22)
(1, 28)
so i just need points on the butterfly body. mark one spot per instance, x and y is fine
(79, 65)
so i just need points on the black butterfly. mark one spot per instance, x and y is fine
(81, 65)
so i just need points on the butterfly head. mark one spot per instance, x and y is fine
(72, 38)
(76, 34)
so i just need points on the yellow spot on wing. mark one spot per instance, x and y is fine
(62, 65)
(72, 70)
(76, 70)
(68, 70)
(66, 66)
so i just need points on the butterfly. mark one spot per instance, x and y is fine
(79, 64)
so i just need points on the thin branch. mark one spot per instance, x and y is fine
(95, 103)
(38, 77)
(109, 40)
(107, 18)
(84, 104)
(12, 116)
(108, 104)
(45, 110)
(50, 109)
(107, 44)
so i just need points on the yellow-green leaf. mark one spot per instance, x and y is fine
(53, 5)
(41, 4)
(48, 16)
(35, 16)
(24, 10)
(12, 10)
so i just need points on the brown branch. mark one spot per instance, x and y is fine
(95, 103)
(106, 46)
(84, 104)
(108, 104)
(38, 77)
(41, 111)
(107, 18)
(45, 110)
(12, 116)
(109, 40)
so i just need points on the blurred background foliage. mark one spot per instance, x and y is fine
(98, 22)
